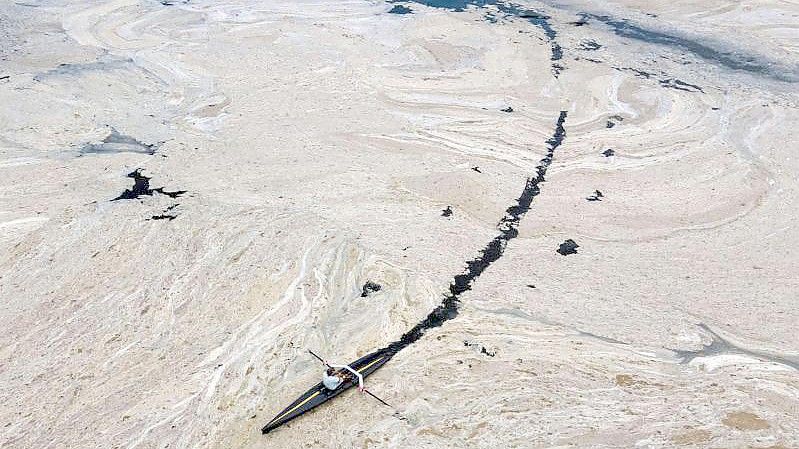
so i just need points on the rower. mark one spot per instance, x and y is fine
(333, 379)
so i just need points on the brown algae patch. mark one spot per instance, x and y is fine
(745, 421)
(692, 436)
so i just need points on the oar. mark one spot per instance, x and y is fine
(370, 394)
(320, 359)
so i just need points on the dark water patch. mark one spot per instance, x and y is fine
(589, 45)
(370, 287)
(543, 22)
(507, 9)
(597, 196)
(447, 212)
(734, 60)
(609, 152)
(75, 69)
(115, 142)
(680, 85)
(508, 230)
(454, 5)
(141, 187)
(400, 9)
(569, 246)
(719, 346)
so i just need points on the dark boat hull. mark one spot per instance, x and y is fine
(318, 394)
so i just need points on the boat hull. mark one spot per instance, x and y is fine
(318, 394)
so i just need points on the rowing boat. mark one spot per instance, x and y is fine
(318, 394)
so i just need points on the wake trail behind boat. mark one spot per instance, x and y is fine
(508, 230)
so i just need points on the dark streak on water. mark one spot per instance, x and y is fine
(601, 337)
(141, 186)
(718, 346)
(637, 72)
(164, 215)
(730, 59)
(510, 10)
(680, 85)
(508, 230)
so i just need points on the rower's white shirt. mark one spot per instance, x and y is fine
(331, 382)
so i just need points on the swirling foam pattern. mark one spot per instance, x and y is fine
(318, 142)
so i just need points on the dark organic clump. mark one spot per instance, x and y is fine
(400, 9)
(680, 85)
(508, 109)
(608, 153)
(508, 230)
(597, 196)
(164, 215)
(141, 186)
(568, 247)
(590, 45)
(447, 212)
(613, 121)
(483, 349)
(370, 287)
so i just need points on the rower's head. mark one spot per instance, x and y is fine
(330, 371)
